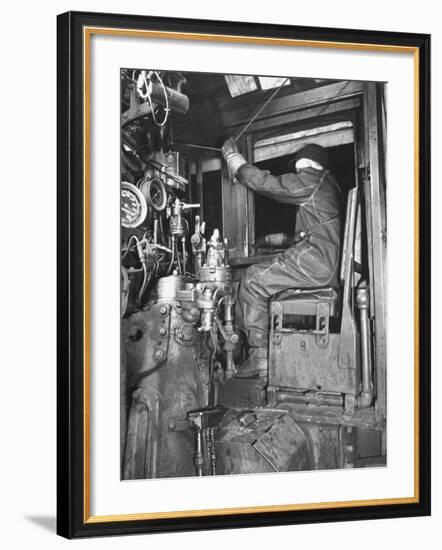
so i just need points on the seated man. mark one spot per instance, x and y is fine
(311, 261)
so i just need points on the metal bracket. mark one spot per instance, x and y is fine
(322, 324)
(276, 323)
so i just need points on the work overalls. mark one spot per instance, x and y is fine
(310, 263)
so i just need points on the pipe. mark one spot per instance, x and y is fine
(155, 230)
(183, 245)
(172, 257)
(231, 337)
(195, 146)
(198, 458)
(365, 398)
(176, 101)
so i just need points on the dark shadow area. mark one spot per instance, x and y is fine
(272, 216)
(48, 523)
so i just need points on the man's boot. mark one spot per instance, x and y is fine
(256, 366)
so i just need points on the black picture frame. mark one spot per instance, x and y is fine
(72, 520)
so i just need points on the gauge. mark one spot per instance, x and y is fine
(133, 206)
(155, 193)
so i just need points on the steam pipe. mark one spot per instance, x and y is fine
(155, 230)
(183, 244)
(365, 398)
(177, 101)
(172, 258)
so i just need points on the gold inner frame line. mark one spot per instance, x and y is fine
(87, 33)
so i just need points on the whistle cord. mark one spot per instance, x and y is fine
(260, 110)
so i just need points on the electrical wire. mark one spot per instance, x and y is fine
(144, 284)
(128, 247)
(147, 95)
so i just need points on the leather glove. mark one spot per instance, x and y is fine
(233, 157)
(229, 147)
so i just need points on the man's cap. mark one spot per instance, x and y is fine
(313, 152)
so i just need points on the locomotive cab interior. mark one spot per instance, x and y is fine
(183, 410)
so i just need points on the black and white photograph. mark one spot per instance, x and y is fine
(253, 274)
(221, 275)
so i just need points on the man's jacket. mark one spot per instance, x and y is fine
(319, 201)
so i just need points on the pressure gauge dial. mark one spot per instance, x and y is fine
(155, 193)
(133, 206)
